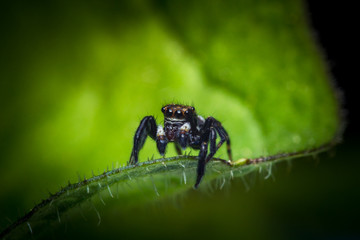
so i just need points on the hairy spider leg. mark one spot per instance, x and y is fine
(183, 135)
(178, 149)
(228, 144)
(224, 136)
(147, 127)
(161, 140)
(210, 136)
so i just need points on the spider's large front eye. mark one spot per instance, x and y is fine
(178, 114)
(169, 112)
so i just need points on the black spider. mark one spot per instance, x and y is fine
(185, 128)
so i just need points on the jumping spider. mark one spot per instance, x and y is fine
(185, 128)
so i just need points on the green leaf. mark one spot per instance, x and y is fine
(156, 179)
(82, 90)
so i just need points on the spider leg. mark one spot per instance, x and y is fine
(209, 130)
(183, 135)
(201, 163)
(228, 144)
(202, 155)
(178, 149)
(224, 136)
(146, 127)
(161, 140)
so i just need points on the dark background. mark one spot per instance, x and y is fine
(334, 25)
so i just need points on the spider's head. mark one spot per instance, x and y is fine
(178, 112)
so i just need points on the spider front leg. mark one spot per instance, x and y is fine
(203, 152)
(161, 140)
(182, 138)
(147, 127)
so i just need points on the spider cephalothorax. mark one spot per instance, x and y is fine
(186, 129)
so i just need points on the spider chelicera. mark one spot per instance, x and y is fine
(186, 129)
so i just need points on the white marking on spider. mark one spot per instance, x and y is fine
(201, 122)
(186, 127)
(201, 118)
(174, 120)
(160, 131)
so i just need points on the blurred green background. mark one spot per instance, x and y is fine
(78, 77)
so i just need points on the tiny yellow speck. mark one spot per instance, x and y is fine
(241, 161)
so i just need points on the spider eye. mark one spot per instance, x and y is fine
(169, 112)
(193, 109)
(163, 109)
(178, 113)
